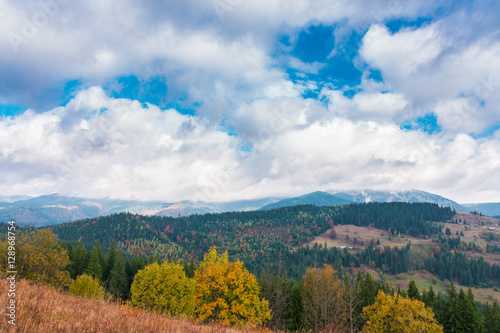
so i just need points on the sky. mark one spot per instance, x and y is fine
(220, 100)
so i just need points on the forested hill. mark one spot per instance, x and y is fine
(248, 236)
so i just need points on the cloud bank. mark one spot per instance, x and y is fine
(248, 110)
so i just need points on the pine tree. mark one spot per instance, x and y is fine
(452, 319)
(472, 317)
(117, 280)
(110, 262)
(429, 297)
(413, 291)
(94, 268)
(492, 318)
(79, 259)
(295, 307)
(102, 259)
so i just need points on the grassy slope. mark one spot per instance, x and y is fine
(42, 309)
(422, 278)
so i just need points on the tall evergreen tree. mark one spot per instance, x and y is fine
(295, 307)
(429, 298)
(79, 260)
(473, 317)
(413, 291)
(117, 280)
(492, 318)
(452, 320)
(100, 254)
(94, 267)
(110, 262)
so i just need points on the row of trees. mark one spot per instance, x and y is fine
(227, 293)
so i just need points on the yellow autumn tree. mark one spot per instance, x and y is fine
(227, 293)
(391, 314)
(39, 257)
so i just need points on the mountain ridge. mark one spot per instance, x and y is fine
(54, 208)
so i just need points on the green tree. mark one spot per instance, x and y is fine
(227, 293)
(117, 281)
(94, 267)
(164, 288)
(86, 286)
(275, 289)
(110, 261)
(100, 254)
(492, 318)
(471, 318)
(429, 297)
(295, 307)
(452, 319)
(413, 291)
(79, 257)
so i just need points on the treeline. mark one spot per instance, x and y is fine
(398, 217)
(440, 261)
(114, 271)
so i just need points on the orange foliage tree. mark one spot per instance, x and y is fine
(227, 293)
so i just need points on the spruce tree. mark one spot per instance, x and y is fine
(94, 267)
(451, 319)
(110, 262)
(474, 320)
(117, 280)
(79, 260)
(102, 259)
(431, 298)
(413, 291)
(492, 318)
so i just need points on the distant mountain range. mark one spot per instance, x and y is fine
(55, 209)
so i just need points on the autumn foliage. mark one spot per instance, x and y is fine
(86, 286)
(227, 293)
(39, 258)
(399, 314)
(322, 299)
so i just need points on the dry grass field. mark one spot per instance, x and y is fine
(42, 309)
(347, 233)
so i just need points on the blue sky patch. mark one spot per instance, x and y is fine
(314, 43)
(153, 91)
(7, 110)
(427, 123)
(396, 25)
